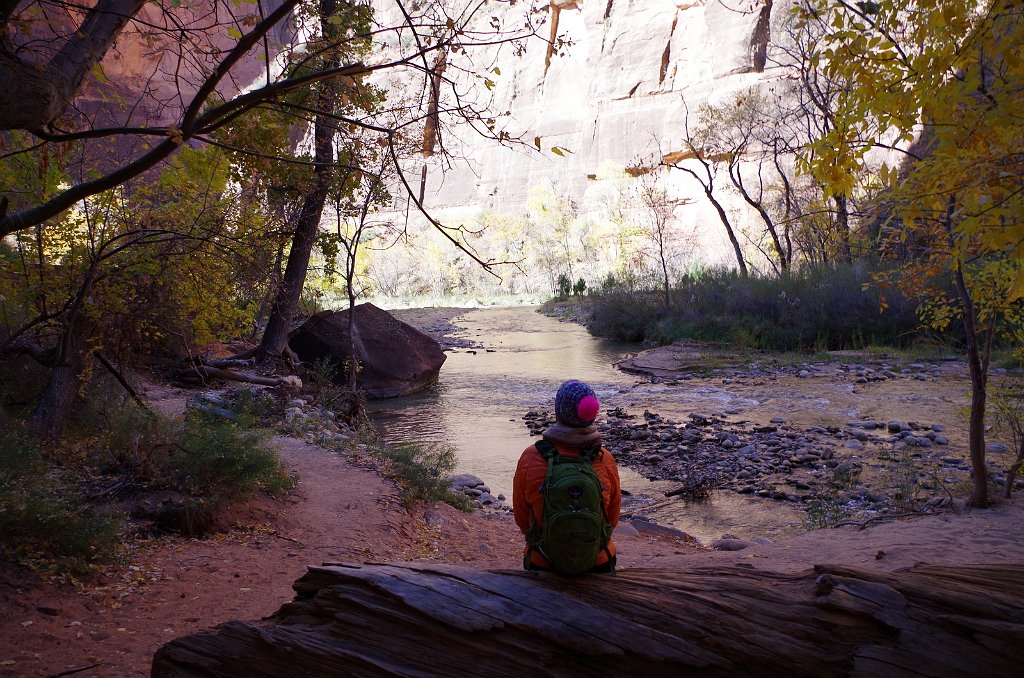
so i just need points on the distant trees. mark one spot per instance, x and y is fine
(661, 235)
(745, 135)
(701, 163)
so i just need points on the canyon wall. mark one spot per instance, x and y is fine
(615, 94)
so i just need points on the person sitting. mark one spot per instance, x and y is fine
(566, 493)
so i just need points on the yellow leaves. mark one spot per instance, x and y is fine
(234, 32)
(99, 73)
(888, 176)
(1016, 291)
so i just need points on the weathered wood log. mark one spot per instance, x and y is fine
(434, 620)
(200, 373)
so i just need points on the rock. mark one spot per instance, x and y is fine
(894, 426)
(731, 544)
(396, 358)
(51, 608)
(777, 420)
(210, 405)
(803, 374)
(854, 445)
(996, 448)
(291, 383)
(434, 518)
(464, 480)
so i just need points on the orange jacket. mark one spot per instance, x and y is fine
(528, 505)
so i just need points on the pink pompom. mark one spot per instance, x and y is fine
(588, 408)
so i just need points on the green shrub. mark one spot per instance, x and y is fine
(826, 308)
(254, 407)
(824, 510)
(420, 469)
(222, 461)
(211, 459)
(341, 399)
(44, 520)
(626, 315)
(564, 286)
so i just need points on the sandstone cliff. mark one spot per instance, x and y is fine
(610, 90)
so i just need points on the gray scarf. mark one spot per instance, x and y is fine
(573, 437)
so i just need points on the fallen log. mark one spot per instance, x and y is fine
(435, 620)
(202, 373)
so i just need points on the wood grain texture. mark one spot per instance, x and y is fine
(436, 620)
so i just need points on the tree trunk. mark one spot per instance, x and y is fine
(769, 223)
(977, 363)
(977, 366)
(437, 620)
(843, 228)
(729, 231)
(53, 411)
(286, 302)
(664, 277)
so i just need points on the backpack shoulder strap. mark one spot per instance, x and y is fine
(591, 454)
(546, 449)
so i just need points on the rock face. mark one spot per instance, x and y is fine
(396, 358)
(617, 93)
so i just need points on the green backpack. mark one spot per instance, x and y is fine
(575, 528)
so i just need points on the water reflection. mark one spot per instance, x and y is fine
(482, 394)
(480, 398)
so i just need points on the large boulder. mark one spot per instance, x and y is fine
(396, 358)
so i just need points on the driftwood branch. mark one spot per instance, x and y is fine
(435, 620)
(124, 382)
(201, 373)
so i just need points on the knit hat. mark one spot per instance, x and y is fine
(576, 404)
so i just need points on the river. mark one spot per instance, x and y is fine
(478, 404)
